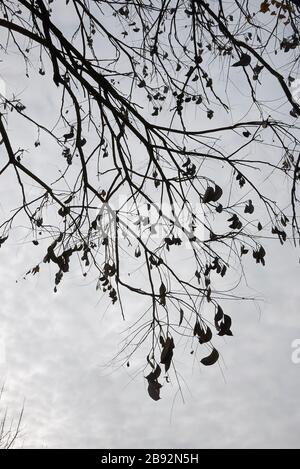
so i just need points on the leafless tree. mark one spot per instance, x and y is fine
(9, 429)
(166, 181)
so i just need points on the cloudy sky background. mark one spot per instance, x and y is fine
(56, 349)
(57, 346)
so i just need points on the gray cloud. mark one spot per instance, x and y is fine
(57, 347)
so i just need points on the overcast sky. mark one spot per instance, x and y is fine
(57, 346)
(55, 350)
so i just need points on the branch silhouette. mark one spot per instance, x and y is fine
(174, 121)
